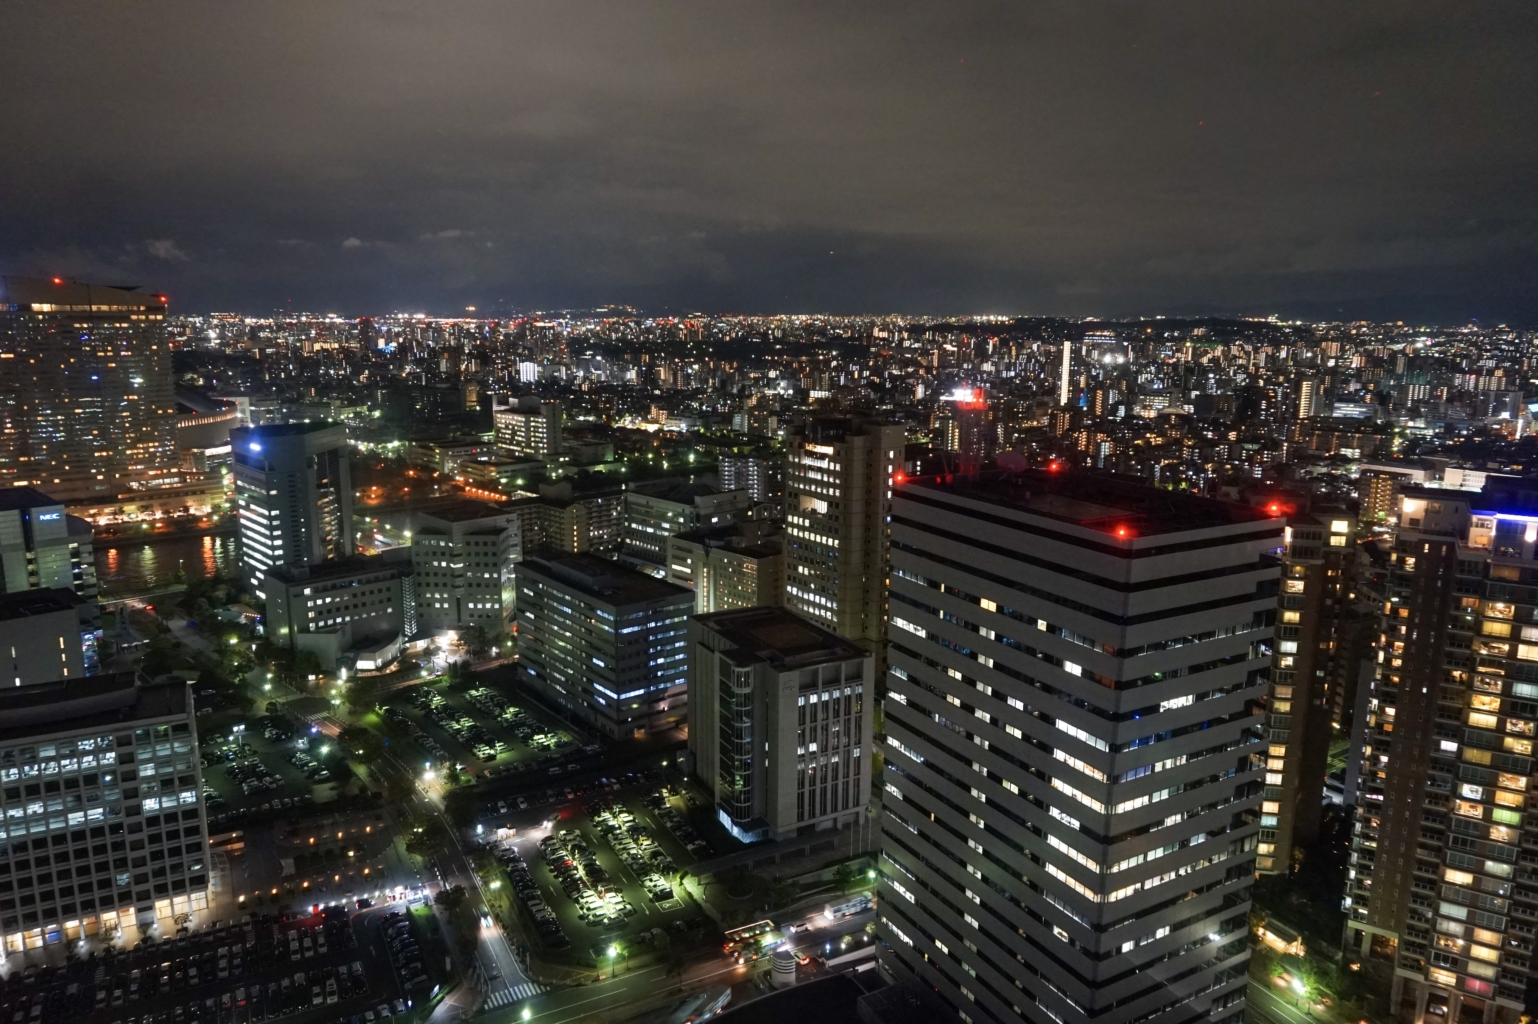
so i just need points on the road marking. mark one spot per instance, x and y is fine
(513, 995)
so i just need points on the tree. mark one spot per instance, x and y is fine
(477, 640)
(160, 656)
(427, 837)
(451, 899)
(459, 805)
(783, 894)
(845, 876)
(363, 744)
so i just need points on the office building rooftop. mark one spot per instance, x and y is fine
(25, 603)
(600, 578)
(86, 703)
(12, 498)
(779, 637)
(56, 294)
(1116, 507)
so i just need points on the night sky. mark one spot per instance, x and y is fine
(1322, 160)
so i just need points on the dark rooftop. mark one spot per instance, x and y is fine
(43, 291)
(682, 492)
(12, 498)
(460, 510)
(393, 558)
(284, 429)
(25, 603)
(607, 581)
(780, 637)
(1095, 502)
(828, 1000)
(86, 703)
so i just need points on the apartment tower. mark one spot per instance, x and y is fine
(1073, 762)
(1442, 894)
(1324, 631)
(86, 402)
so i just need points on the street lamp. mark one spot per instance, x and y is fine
(239, 733)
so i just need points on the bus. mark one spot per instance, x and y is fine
(750, 941)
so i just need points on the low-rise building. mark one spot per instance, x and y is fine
(336, 607)
(657, 510)
(40, 637)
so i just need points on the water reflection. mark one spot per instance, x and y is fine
(124, 569)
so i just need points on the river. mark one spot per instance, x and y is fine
(123, 568)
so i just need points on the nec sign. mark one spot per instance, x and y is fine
(49, 517)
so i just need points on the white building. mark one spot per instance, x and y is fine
(529, 428)
(463, 555)
(779, 722)
(101, 775)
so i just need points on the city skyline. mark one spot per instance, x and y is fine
(1317, 161)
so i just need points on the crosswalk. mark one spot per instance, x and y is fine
(512, 995)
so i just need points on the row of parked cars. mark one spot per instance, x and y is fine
(527, 891)
(676, 823)
(252, 776)
(431, 747)
(405, 955)
(313, 769)
(600, 903)
(636, 847)
(304, 943)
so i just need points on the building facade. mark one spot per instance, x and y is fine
(87, 407)
(40, 637)
(528, 428)
(762, 476)
(1441, 896)
(1325, 630)
(658, 510)
(103, 799)
(293, 492)
(1073, 764)
(779, 722)
(838, 495)
(727, 569)
(330, 608)
(463, 554)
(606, 641)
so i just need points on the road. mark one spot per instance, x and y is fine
(497, 978)
(650, 989)
(1266, 1006)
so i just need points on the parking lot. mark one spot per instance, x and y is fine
(311, 970)
(480, 731)
(601, 879)
(266, 767)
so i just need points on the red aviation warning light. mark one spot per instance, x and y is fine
(58, 280)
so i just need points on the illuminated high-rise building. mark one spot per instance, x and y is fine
(529, 428)
(1441, 899)
(1073, 765)
(838, 496)
(87, 407)
(293, 490)
(1324, 631)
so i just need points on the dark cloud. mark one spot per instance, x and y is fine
(1371, 159)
